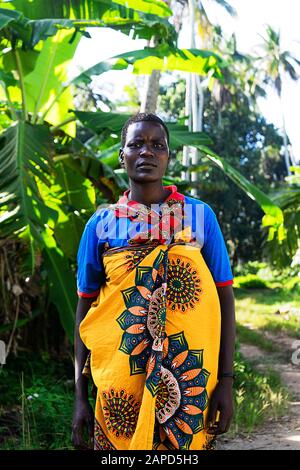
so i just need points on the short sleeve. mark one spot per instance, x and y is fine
(214, 250)
(90, 269)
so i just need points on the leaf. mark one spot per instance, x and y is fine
(24, 156)
(47, 80)
(28, 60)
(154, 7)
(273, 214)
(7, 78)
(97, 121)
(87, 9)
(33, 314)
(8, 16)
(162, 58)
(69, 195)
(84, 162)
(43, 19)
(62, 286)
(180, 135)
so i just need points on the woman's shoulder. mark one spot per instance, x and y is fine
(208, 210)
(102, 214)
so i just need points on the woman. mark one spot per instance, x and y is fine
(155, 322)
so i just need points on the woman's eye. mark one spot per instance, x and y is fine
(135, 144)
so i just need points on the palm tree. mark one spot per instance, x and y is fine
(202, 28)
(274, 63)
(199, 23)
(151, 85)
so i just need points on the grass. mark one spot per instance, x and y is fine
(36, 404)
(257, 397)
(261, 395)
(250, 336)
(257, 307)
(36, 393)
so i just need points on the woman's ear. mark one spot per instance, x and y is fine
(169, 157)
(121, 158)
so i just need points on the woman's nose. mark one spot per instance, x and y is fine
(146, 150)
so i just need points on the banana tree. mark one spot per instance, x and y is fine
(273, 64)
(42, 160)
(193, 60)
(39, 199)
(288, 199)
(180, 136)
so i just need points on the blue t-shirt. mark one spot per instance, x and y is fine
(103, 227)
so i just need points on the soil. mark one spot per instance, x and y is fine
(284, 433)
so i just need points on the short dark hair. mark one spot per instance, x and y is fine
(140, 117)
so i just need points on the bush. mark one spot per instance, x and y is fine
(251, 281)
(252, 267)
(256, 396)
(292, 284)
(36, 406)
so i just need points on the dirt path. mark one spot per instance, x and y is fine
(283, 434)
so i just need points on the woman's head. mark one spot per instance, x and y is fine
(145, 148)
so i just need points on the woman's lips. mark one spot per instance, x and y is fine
(146, 165)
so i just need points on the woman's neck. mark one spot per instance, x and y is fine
(148, 193)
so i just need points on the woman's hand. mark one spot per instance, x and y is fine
(83, 419)
(222, 401)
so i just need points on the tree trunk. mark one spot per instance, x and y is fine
(285, 140)
(185, 174)
(151, 87)
(151, 90)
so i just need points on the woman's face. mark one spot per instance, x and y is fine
(145, 154)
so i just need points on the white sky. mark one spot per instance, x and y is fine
(253, 15)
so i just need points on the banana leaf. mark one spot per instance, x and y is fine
(164, 57)
(99, 120)
(25, 154)
(37, 20)
(179, 136)
(273, 217)
(62, 285)
(87, 9)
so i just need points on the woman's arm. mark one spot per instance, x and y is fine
(226, 356)
(222, 399)
(83, 414)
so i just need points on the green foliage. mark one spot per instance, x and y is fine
(246, 143)
(38, 20)
(164, 57)
(292, 284)
(275, 310)
(25, 159)
(25, 156)
(250, 281)
(42, 165)
(273, 61)
(257, 396)
(251, 267)
(287, 196)
(43, 388)
(273, 217)
(248, 335)
(36, 404)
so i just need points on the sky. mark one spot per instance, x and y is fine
(253, 15)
